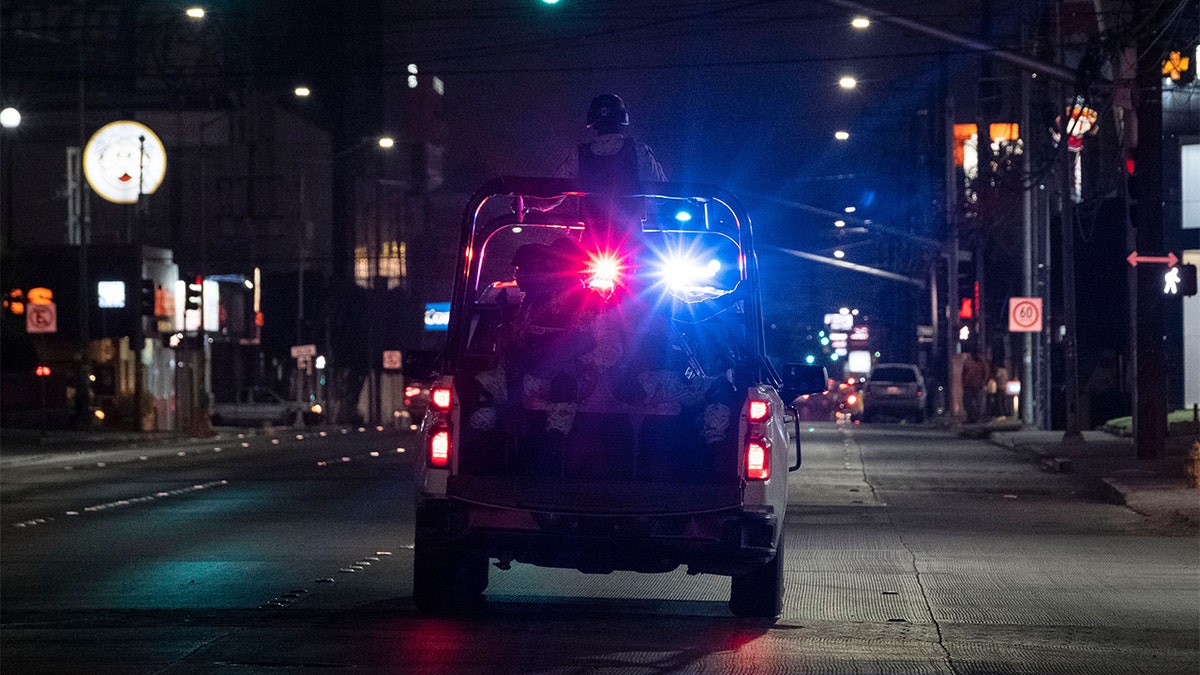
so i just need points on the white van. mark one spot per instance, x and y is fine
(604, 401)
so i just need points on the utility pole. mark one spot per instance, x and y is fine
(1150, 396)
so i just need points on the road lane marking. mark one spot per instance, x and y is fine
(121, 503)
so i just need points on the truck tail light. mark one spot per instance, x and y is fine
(758, 460)
(759, 411)
(440, 398)
(411, 391)
(439, 448)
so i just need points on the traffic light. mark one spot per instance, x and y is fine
(147, 298)
(194, 298)
(14, 302)
(1179, 68)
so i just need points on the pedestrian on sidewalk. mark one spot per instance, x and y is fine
(976, 371)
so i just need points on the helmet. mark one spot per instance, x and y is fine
(607, 108)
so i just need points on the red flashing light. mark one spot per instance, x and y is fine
(758, 462)
(1129, 166)
(42, 371)
(440, 398)
(411, 391)
(759, 411)
(851, 399)
(603, 273)
(439, 448)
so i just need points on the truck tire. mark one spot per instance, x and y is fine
(759, 592)
(446, 581)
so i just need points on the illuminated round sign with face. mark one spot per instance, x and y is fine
(124, 159)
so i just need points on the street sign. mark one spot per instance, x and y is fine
(41, 318)
(1169, 259)
(391, 359)
(300, 351)
(1025, 315)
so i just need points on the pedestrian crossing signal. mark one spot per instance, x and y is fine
(1180, 280)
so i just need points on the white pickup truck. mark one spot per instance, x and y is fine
(604, 401)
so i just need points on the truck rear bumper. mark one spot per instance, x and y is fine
(729, 541)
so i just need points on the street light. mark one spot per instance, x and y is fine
(842, 135)
(847, 82)
(10, 118)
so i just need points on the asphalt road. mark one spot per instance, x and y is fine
(909, 551)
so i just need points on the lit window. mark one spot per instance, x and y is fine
(412, 81)
(439, 86)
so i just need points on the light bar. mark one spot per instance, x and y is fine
(604, 271)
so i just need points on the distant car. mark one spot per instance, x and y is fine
(895, 390)
(257, 406)
(840, 402)
(419, 372)
(416, 399)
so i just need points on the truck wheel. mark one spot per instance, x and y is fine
(759, 592)
(446, 581)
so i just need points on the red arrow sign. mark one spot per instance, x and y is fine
(1169, 259)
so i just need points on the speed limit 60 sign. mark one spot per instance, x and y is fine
(1025, 315)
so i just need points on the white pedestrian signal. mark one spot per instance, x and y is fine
(1172, 281)
(1180, 280)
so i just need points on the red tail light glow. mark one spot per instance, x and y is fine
(412, 391)
(439, 448)
(759, 411)
(851, 399)
(758, 461)
(440, 398)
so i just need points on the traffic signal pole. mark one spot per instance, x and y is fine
(1150, 394)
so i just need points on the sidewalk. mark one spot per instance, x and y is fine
(1156, 488)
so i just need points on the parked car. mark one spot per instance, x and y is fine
(257, 406)
(895, 390)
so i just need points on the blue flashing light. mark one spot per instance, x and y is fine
(824, 341)
(810, 359)
(833, 356)
(683, 216)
